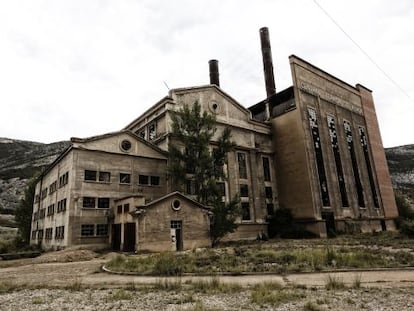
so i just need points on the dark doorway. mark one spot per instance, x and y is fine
(330, 223)
(383, 225)
(177, 226)
(129, 237)
(116, 237)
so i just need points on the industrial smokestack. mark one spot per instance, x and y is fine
(267, 62)
(214, 72)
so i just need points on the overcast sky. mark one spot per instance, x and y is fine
(87, 67)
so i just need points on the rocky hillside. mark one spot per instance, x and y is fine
(401, 165)
(20, 160)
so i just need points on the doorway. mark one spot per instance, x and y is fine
(116, 237)
(329, 223)
(177, 235)
(129, 237)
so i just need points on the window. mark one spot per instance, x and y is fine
(60, 232)
(176, 224)
(149, 180)
(190, 187)
(101, 229)
(245, 211)
(104, 176)
(126, 145)
(42, 213)
(126, 208)
(87, 230)
(44, 193)
(37, 198)
(90, 175)
(155, 180)
(266, 169)
(53, 187)
(88, 202)
(103, 202)
(244, 190)
(40, 234)
(269, 192)
(49, 233)
(142, 134)
(270, 209)
(143, 179)
(51, 209)
(119, 209)
(221, 188)
(124, 178)
(241, 160)
(61, 206)
(152, 132)
(63, 180)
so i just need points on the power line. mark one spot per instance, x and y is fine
(363, 51)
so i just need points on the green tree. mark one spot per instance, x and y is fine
(23, 213)
(194, 167)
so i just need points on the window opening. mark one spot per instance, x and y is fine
(124, 178)
(245, 211)
(104, 176)
(241, 159)
(364, 144)
(338, 163)
(103, 202)
(90, 175)
(323, 185)
(244, 190)
(266, 169)
(349, 139)
(87, 230)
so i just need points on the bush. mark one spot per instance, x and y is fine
(168, 264)
(283, 225)
(407, 227)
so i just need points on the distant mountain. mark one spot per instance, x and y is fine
(19, 161)
(401, 165)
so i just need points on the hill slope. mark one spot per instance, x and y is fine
(19, 161)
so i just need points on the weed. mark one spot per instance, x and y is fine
(120, 294)
(213, 285)
(8, 287)
(311, 306)
(334, 283)
(264, 296)
(38, 301)
(75, 286)
(356, 283)
(168, 284)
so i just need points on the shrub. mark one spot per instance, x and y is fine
(334, 283)
(168, 264)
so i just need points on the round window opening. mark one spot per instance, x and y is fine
(215, 106)
(126, 145)
(176, 205)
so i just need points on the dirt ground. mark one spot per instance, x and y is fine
(73, 279)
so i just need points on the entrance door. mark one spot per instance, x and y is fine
(329, 222)
(116, 237)
(129, 237)
(177, 235)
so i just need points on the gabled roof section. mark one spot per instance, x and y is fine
(149, 112)
(82, 143)
(175, 194)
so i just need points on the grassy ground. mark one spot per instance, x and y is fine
(381, 250)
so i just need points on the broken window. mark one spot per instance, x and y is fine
(126, 208)
(124, 178)
(244, 190)
(364, 144)
(90, 175)
(143, 179)
(61, 206)
(241, 160)
(119, 209)
(142, 134)
(270, 208)
(152, 131)
(245, 206)
(269, 192)
(323, 184)
(103, 202)
(60, 232)
(51, 209)
(337, 156)
(88, 202)
(104, 176)
(102, 229)
(358, 184)
(49, 233)
(266, 169)
(155, 180)
(87, 230)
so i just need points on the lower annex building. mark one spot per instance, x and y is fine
(314, 148)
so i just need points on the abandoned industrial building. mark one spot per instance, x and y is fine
(314, 148)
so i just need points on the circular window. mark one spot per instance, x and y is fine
(214, 107)
(126, 145)
(176, 205)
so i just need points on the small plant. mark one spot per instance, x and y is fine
(214, 285)
(75, 286)
(38, 301)
(120, 294)
(311, 306)
(334, 283)
(265, 296)
(356, 283)
(168, 285)
(168, 264)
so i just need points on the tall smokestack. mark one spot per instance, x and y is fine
(267, 62)
(214, 72)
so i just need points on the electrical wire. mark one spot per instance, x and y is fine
(363, 51)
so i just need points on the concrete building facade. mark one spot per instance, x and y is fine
(314, 148)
